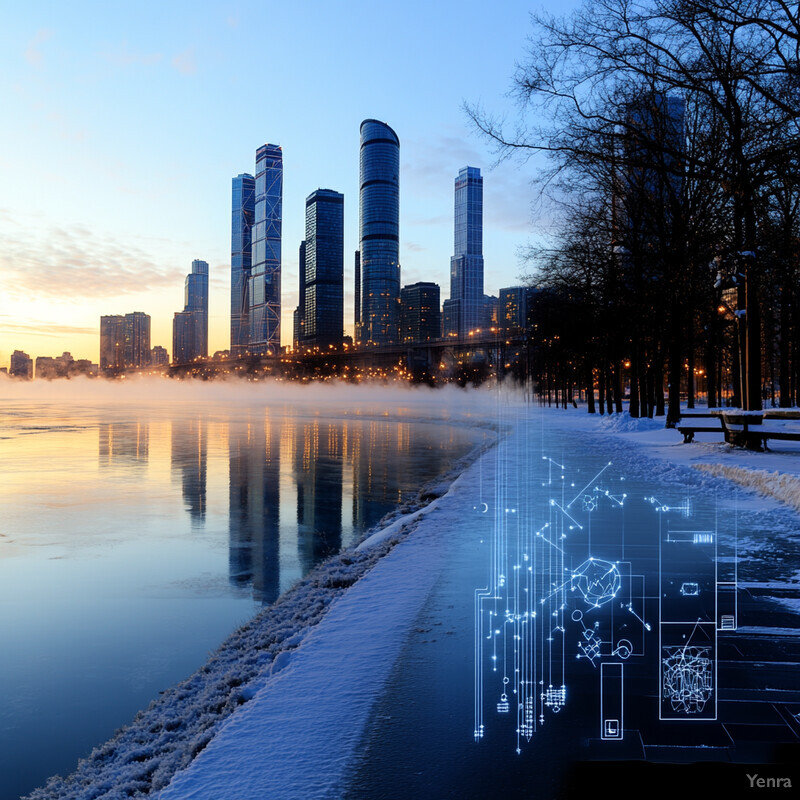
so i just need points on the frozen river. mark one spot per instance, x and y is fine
(133, 539)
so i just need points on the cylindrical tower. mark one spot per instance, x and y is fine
(379, 216)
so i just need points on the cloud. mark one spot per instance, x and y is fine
(184, 62)
(77, 263)
(33, 54)
(46, 329)
(414, 247)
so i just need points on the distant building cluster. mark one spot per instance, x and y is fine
(386, 314)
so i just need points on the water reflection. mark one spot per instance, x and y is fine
(153, 534)
(298, 489)
(254, 510)
(124, 443)
(189, 460)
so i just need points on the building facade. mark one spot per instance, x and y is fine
(466, 310)
(299, 319)
(136, 349)
(159, 357)
(190, 326)
(124, 341)
(357, 299)
(21, 365)
(379, 233)
(243, 209)
(420, 318)
(112, 343)
(264, 283)
(323, 293)
(515, 303)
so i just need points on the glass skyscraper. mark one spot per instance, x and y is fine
(379, 217)
(243, 208)
(264, 283)
(324, 269)
(190, 326)
(466, 265)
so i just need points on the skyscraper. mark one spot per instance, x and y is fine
(466, 265)
(420, 316)
(190, 326)
(379, 223)
(324, 269)
(243, 207)
(112, 342)
(357, 303)
(298, 329)
(124, 341)
(264, 284)
(136, 348)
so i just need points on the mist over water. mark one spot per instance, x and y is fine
(143, 520)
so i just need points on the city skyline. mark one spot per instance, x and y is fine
(169, 193)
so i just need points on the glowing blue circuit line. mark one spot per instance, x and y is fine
(564, 512)
(589, 484)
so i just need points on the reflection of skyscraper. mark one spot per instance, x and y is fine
(254, 508)
(190, 458)
(466, 265)
(323, 271)
(264, 285)
(124, 443)
(379, 233)
(243, 208)
(319, 473)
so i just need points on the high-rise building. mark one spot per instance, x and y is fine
(136, 348)
(124, 341)
(243, 209)
(298, 330)
(357, 304)
(190, 326)
(379, 215)
(420, 318)
(159, 357)
(21, 365)
(466, 265)
(323, 293)
(112, 342)
(264, 283)
(514, 308)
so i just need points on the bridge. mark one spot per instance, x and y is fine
(468, 358)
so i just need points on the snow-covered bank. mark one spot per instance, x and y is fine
(142, 757)
(774, 474)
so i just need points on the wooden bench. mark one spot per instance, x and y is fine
(788, 436)
(689, 431)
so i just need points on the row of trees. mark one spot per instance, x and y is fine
(672, 132)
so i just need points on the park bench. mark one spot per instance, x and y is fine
(690, 430)
(743, 429)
